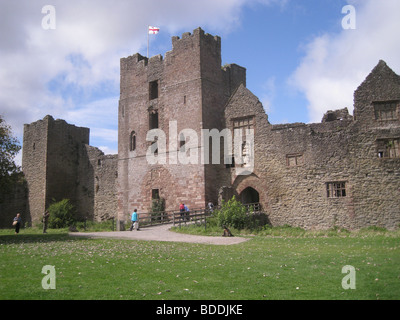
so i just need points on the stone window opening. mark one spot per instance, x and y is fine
(336, 189)
(153, 90)
(386, 111)
(153, 119)
(182, 142)
(243, 123)
(155, 194)
(132, 141)
(388, 148)
(294, 160)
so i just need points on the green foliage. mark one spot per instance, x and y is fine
(62, 214)
(157, 208)
(233, 214)
(9, 148)
(158, 205)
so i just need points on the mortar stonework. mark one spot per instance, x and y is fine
(342, 172)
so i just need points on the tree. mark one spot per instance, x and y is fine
(9, 148)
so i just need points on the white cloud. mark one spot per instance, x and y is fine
(334, 65)
(61, 72)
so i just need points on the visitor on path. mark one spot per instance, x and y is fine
(17, 223)
(135, 221)
(187, 212)
(182, 210)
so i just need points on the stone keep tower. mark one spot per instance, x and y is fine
(186, 90)
(50, 159)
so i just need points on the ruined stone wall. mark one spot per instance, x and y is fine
(64, 156)
(296, 163)
(34, 165)
(105, 187)
(59, 164)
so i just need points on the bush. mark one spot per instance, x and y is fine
(62, 214)
(233, 214)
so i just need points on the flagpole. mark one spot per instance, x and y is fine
(148, 41)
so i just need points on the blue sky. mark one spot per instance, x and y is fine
(300, 61)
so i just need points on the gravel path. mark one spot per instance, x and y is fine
(161, 233)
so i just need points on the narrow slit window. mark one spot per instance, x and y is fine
(153, 119)
(132, 146)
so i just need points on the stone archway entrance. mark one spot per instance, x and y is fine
(249, 195)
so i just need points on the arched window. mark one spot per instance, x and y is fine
(132, 140)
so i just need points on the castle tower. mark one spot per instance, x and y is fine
(50, 162)
(180, 95)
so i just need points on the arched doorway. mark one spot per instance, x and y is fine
(249, 195)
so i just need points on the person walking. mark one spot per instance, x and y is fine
(17, 223)
(45, 220)
(135, 221)
(187, 212)
(182, 210)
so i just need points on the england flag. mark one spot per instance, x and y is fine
(153, 30)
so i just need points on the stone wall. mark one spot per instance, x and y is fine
(59, 164)
(296, 164)
(192, 90)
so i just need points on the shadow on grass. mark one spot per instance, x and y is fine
(35, 238)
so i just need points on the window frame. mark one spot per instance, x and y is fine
(383, 108)
(336, 189)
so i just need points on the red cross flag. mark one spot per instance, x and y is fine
(153, 30)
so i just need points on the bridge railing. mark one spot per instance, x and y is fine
(176, 217)
(172, 217)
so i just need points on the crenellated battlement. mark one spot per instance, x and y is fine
(180, 45)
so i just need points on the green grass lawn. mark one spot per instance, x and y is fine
(308, 266)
